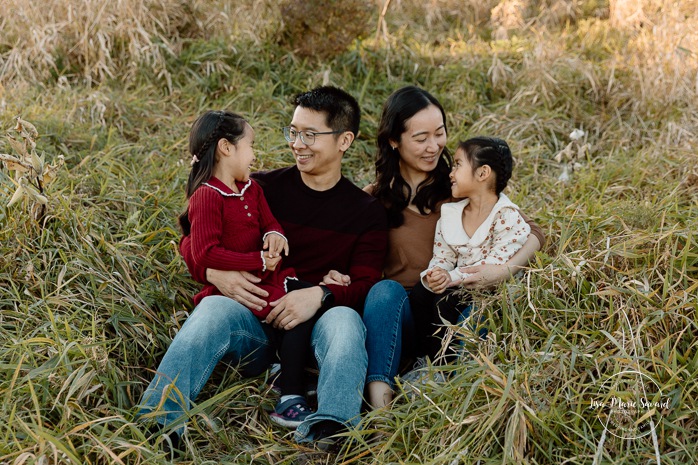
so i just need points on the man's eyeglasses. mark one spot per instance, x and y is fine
(307, 137)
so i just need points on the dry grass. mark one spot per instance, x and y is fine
(96, 41)
(90, 300)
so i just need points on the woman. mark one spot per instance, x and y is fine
(412, 181)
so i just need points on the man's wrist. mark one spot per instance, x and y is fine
(327, 298)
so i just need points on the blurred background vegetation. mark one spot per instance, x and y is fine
(93, 291)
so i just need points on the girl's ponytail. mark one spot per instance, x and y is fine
(506, 164)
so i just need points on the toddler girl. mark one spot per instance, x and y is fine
(484, 228)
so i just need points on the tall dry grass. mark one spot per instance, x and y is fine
(90, 301)
(94, 40)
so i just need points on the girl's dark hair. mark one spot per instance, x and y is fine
(390, 187)
(205, 133)
(493, 152)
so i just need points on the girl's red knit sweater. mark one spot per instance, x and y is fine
(228, 230)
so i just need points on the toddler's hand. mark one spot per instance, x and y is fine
(271, 262)
(438, 279)
(337, 278)
(274, 244)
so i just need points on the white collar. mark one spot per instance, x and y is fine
(230, 194)
(452, 221)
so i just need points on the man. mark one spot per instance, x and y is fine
(330, 225)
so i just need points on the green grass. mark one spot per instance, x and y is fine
(90, 300)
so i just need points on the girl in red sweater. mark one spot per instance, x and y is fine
(232, 228)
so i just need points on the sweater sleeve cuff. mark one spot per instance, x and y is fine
(423, 278)
(264, 238)
(455, 274)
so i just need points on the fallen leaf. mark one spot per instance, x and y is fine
(37, 162)
(19, 146)
(565, 175)
(577, 134)
(17, 196)
(26, 128)
(15, 166)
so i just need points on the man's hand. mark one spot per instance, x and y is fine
(270, 261)
(295, 308)
(438, 279)
(239, 286)
(335, 277)
(275, 244)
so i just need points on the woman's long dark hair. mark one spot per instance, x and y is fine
(205, 133)
(390, 187)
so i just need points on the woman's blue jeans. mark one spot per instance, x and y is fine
(391, 332)
(389, 327)
(220, 328)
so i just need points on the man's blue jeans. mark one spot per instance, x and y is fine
(220, 328)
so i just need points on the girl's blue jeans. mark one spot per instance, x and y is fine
(221, 329)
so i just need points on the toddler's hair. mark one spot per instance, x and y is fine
(205, 133)
(493, 152)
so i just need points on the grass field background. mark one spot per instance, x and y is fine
(91, 296)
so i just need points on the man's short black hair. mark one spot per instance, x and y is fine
(342, 110)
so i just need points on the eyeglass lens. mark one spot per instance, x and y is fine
(308, 138)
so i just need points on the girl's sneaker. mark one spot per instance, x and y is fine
(291, 413)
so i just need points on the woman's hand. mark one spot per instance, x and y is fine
(484, 276)
(489, 276)
(275, 244)
(335, 277)
(239, 286)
